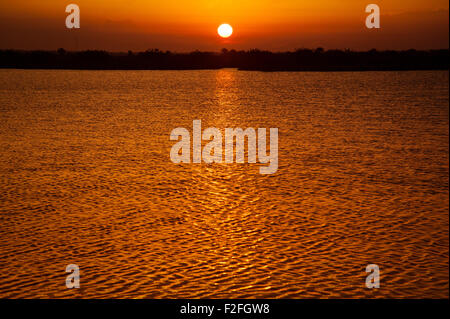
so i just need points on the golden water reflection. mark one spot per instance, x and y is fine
(86, 178)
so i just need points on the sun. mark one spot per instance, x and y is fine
(225, 30)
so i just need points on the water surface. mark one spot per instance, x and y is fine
(86, 178)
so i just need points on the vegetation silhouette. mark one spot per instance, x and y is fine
(258, 60)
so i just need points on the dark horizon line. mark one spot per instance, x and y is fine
(320, 48)
(304, 59)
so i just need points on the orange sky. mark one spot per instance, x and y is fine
(186, 25)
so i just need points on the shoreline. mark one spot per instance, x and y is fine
(302, 60)
(267, 70)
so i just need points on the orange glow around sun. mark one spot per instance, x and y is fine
(189, 25)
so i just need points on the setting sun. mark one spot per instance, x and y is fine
(225, 30)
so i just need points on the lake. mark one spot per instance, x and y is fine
(86, 178)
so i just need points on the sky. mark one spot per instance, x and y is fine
(187, 25)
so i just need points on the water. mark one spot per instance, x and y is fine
(86, 178)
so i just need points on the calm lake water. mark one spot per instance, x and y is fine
(86, 178)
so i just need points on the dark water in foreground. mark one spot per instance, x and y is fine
(86, 178)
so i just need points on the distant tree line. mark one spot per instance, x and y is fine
(299, 60)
